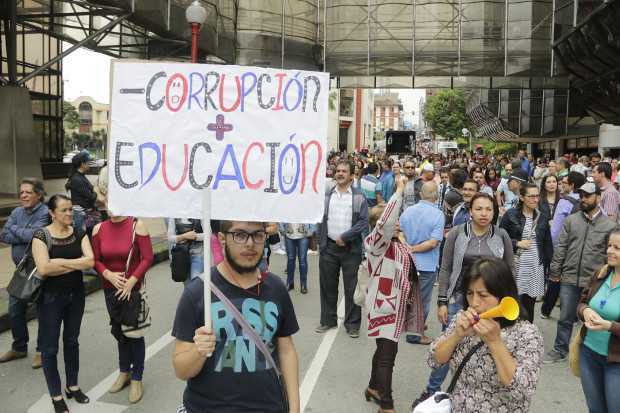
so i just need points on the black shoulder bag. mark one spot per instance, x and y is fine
(26, 281)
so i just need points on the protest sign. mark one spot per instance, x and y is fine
(255, 136)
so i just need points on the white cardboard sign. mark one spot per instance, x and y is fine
(256, 137)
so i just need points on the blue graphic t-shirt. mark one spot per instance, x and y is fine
(236, 377)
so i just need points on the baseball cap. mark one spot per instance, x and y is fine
(518, 175)
(589, 188)
(428, 168)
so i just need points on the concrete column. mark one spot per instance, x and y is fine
(20, 155)
(608, 137)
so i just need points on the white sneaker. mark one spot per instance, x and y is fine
(280, 251)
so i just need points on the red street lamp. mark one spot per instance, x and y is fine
(195, 14)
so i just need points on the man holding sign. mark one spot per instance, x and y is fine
(224, 368)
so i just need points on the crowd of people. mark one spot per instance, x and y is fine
(474, 228)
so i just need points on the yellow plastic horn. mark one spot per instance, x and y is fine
(507, 308)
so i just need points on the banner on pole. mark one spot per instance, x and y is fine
(256, 136)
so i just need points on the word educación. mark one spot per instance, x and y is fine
(288, 173)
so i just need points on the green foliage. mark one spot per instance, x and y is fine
(333, 96)
(70, 115)
(445, 114)
(497, 148)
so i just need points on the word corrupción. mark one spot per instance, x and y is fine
(289, 170)
(289, 93)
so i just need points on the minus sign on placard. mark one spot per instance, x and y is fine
(132, 91)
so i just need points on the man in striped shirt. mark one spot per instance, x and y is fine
(610, 198)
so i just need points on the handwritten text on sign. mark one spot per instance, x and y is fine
(255, 136)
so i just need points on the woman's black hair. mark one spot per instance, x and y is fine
(486, 174)
(484, 195)
(498, 280)
(52, 203)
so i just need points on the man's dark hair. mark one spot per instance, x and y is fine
(37, 186)
(225, 226)
(444, 170)
(516, 163)
(349, 164)
(498, 280)
(576, 179)
(595, 155)
(458, 178)
(604, 168)
(372, 168)
(388, 162)
(472, 181)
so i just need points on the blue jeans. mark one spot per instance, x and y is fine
(19, 325)
(197, 266)
(569, 298)
(55, 309)
(438, 375)
(427, 280)
(600, 380)
(297, 248)
(131, 354)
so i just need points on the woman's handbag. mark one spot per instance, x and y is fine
(440, 402)
(180, 262)
(258, 342)
(359, 296)
(138, 302)
(26, 282)
(573, 353)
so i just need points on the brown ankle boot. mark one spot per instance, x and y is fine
(121, 382)
(135, 391)
(36, 361)
(12, 355)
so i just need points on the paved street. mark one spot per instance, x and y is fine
(334, 368)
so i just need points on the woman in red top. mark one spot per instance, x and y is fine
(111, 245)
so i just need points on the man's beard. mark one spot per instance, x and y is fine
(241, 269)
(587, 207)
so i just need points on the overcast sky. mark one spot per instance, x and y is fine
(87, 73)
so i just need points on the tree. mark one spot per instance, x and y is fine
(70, 115)
(445, 114)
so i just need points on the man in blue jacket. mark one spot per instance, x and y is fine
(18, 232)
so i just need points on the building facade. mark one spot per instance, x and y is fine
(93, 116)
(388, 112)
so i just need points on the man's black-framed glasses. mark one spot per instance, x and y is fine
(241, 237)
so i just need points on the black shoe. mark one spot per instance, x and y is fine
(77, 395)
(304, 290)
(60, 406)
(323, 328)
(290, 287)
(425, 395)
(353, 333)
(371, 397)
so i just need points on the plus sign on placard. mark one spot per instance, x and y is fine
(219, 127)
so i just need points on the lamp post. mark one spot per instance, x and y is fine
(195, 14)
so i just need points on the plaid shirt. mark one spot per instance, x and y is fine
(610, 199)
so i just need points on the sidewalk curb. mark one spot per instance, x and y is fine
(92, 283)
